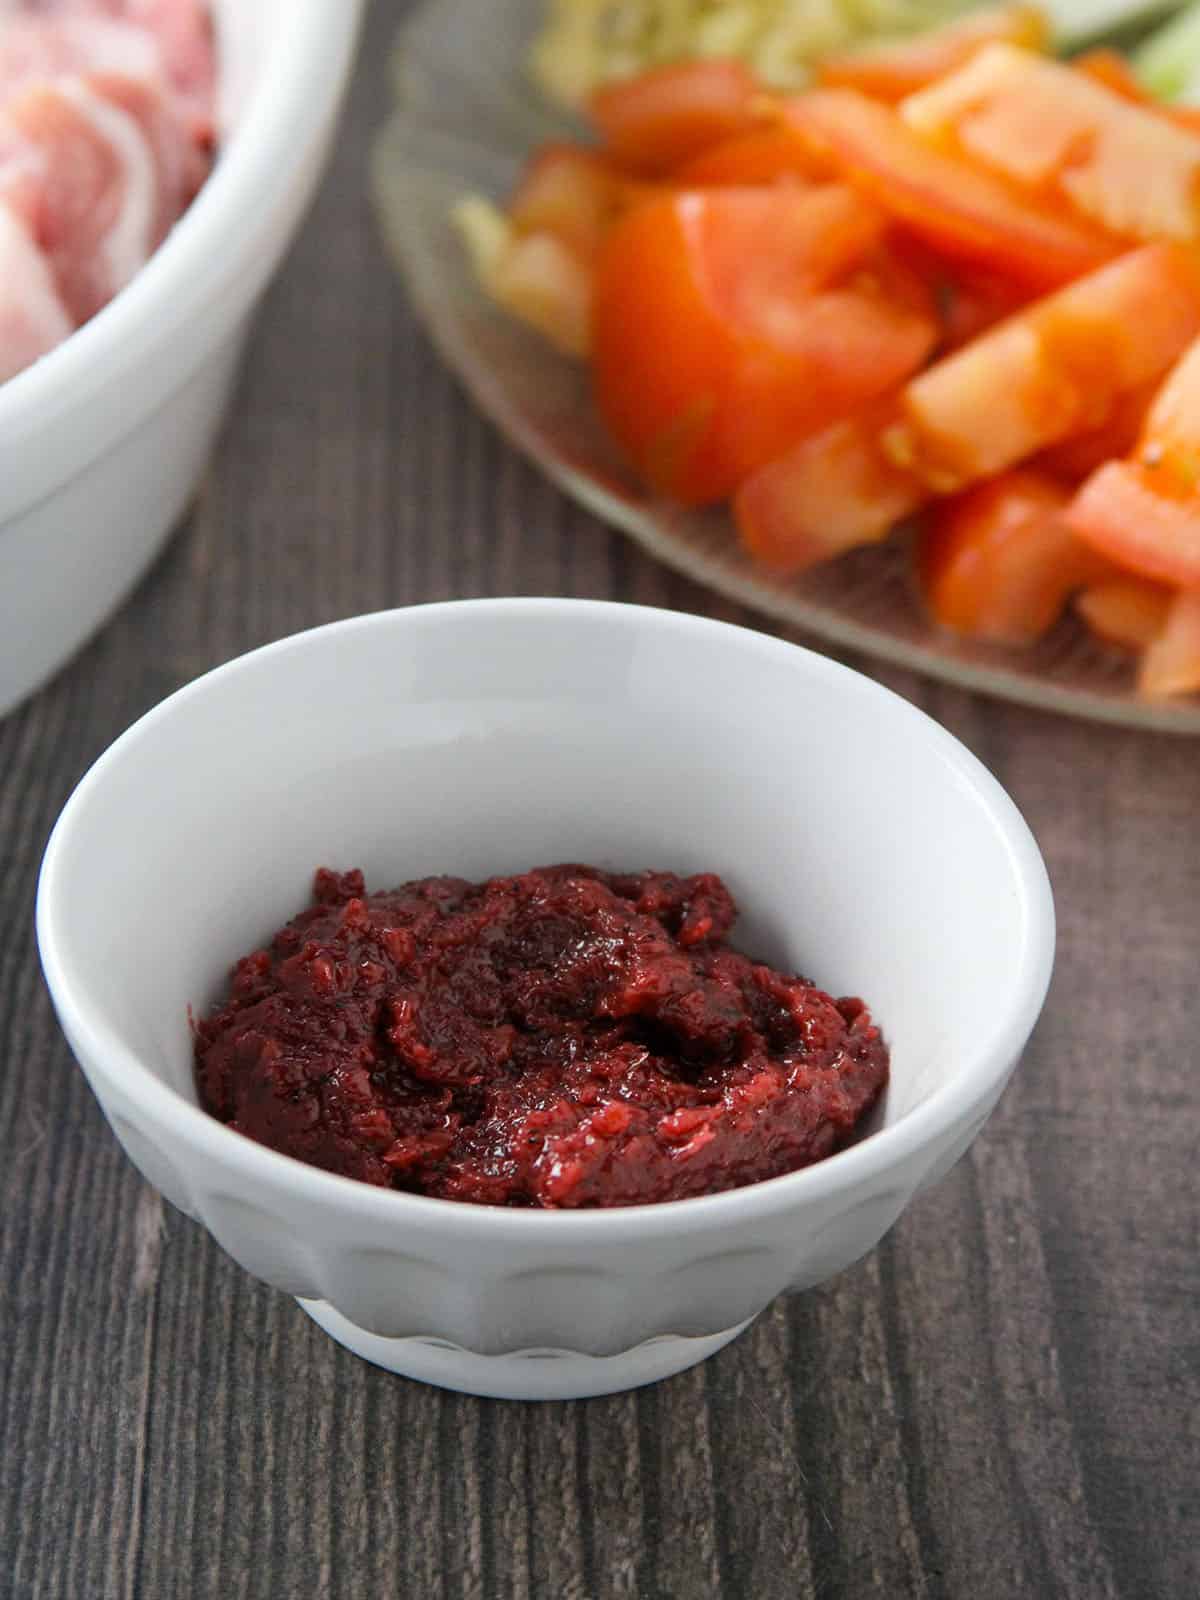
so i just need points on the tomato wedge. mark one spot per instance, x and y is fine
(997, 563)
(969, 299)
(972, 303)
(572, 193)
(833, 491)
(1144, 512)
(662, 118)
(1112, 69)
(1056, 369)
(1122, 511)
(1074, 459)
(1127, 612)
(1066, 137)
(535, 277)
(1170, 442)
(955, 207)
(896, 68)
(729, 323)
(1171, 664)
(540, 280)
(763, 155)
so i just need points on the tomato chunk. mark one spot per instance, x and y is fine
(1068, 138)
(1073, 459)
(762, 156)
(1112, 69)
(658, 120)
(896, 68)
(969, 299)
(572, 193)
(1122, 511)
(730, 323)
(1056, 369)
(1170, 442)
(833, 491)
(946, 201)
(997, 563)
(541, 281)
(1127, 612)
(1171, 664)
(1145, 512)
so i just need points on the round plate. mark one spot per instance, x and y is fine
(467, 118)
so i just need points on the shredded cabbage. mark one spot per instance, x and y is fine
(588, 42)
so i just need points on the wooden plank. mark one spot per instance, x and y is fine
(1003, 1400)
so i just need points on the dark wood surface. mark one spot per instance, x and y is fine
(1003, 1400)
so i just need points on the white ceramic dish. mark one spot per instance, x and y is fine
(467, 119)
(866, 847)
(102, 441)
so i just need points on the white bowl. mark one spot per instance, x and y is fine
(103, 440)
(867, 848)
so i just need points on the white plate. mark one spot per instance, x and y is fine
(467, 119)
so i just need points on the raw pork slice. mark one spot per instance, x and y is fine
(184, 32)
(39, 47)
(32, 317)
(106, 134)
(80, 172)
(181, 32)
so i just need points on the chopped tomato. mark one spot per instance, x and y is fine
(730, 323)
(1055, 369)
(540, 280)
(660, 119)
(763, 155)
(1066, 137)
(1112, 69)
(972, 303)
(898, 67)
(1128, 612)
(1170, 441)
(997, 563)
(1123, 511)
(960, 210)
(969, 299)
(572, 193)
(1171, 664)
(1075, 458)
(834, 490)
(1145, 512)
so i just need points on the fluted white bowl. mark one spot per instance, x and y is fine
(866, 847)
(103, 440)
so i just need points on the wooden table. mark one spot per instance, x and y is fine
(1003, 1400)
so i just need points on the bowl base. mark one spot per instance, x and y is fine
(529, 1375)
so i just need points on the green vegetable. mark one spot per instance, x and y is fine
(588, 42)
(1169, 61)
(1075, 23)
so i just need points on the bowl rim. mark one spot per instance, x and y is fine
(235, 207)
(948, 1107)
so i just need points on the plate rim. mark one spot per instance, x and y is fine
(403, 134)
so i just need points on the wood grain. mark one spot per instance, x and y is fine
(1003, 1400)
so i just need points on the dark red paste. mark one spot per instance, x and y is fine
(564, 1038)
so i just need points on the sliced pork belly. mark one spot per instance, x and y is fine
(34, 47)
(183, 29)
(78, 168)
(106, 134)
(178, 31)
(33, 318)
